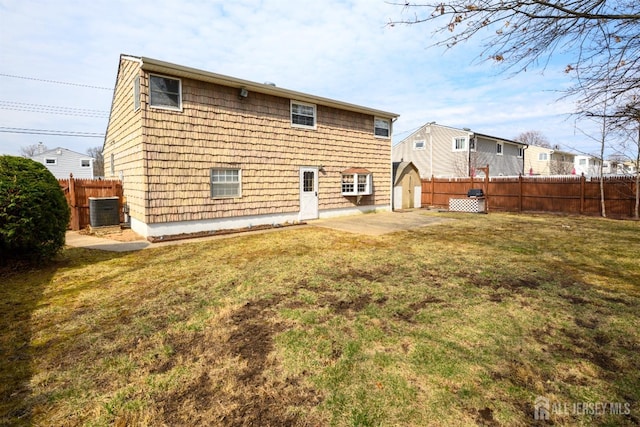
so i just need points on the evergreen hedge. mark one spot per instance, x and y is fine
(34, 213)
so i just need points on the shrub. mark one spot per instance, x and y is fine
(33, 211)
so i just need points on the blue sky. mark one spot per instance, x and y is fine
(340, 49)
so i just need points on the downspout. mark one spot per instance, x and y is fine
(524, 153)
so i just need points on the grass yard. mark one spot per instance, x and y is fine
(460, 323)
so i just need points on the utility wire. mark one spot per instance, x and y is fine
(56, 82)
(74, 109)
(78, 134)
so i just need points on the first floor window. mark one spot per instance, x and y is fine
(165, 92)
(303, 115)
(225, 183)
(356, 183)
(382, 128)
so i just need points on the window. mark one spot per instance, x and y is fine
(225, 183)
(85, 163)
(356, 182)
(136, 93)
(165, 92)
(382, 127)
(520, 152)
(50, 161)
(460, 143)
(303, 115)
(472, 144)
(543, 157)
(418, 145)
(499, 148)
(582, 162)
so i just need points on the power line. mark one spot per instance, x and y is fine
(56, 82)
(77, 134)
(50, 109)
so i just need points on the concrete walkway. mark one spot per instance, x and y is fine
(373, 224)
(376, 224)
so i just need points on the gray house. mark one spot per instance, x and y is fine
(62, 162)
(443, 151)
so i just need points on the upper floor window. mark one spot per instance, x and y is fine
(418, 145)
(520, 152)
(472, 144)
(499, 148)
(50, 161)
(165, 92)
(303, 115)
(460, 143)
(382, 127)
(543, 157)
(85, 163)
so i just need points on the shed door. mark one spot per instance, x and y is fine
(407, 190)
(308, 193)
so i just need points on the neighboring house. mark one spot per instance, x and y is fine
(548, 161)
(62, 162)
(443, 151)
(618, 167)
(588, 165)
(199, 151)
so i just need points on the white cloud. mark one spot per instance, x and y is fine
(339, 49)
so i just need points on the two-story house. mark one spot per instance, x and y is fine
(199, 151)
(548, 161)
(444, 151)
(587, 165)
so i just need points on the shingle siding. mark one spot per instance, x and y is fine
(166, 156)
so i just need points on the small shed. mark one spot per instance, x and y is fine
(407, 186)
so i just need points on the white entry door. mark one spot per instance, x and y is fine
(308, 193)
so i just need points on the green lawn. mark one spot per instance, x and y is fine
(460, 323)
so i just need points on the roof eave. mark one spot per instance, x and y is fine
(154, 65)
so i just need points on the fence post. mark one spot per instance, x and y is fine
(75, 212)
(582, 184)
(520, 192)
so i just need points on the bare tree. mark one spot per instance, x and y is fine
(598, 37)
(98, 162)
(31, 150)
(533, 137)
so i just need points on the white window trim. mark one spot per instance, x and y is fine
(475, 143)
(499, 152)
(82, 160)
(453, 143)
(388, 121)
(540, 155)
(368, 188)
(236, 196)
(166, 107)
(55, 161)
(299, 126)
(136, 93)
(520, 152)
(424, 145)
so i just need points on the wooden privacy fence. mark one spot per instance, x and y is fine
(78, 191)
(565, 194)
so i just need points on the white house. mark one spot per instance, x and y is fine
(588, 165)
(62, 162)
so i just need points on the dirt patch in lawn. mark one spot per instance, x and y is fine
(249, 394)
